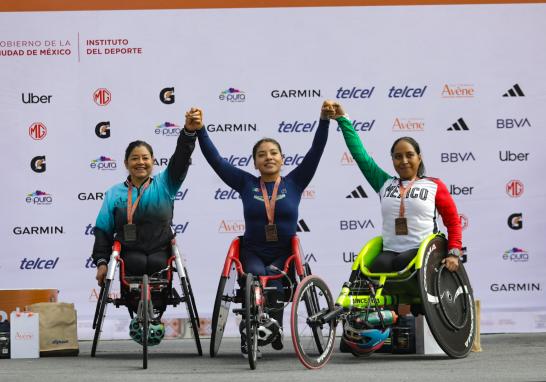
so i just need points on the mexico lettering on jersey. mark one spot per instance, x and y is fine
(426, 196)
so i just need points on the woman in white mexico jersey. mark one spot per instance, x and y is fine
(409, 202)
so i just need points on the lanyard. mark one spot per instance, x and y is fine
(403, 191)
(131, 208)
(270, 205)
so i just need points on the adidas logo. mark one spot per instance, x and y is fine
(514, 92)
(458, 126)
(357, 193)
(302, 226)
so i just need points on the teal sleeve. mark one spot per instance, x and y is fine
(372, 172)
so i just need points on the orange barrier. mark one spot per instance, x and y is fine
(93, 5)
(11, 299)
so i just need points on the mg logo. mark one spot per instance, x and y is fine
(464, 221)
(102, 97)
(514, 188)
(37, 131)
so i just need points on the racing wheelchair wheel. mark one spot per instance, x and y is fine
(313, 339)
(100, 313)
(447, 300)
(224, 296)
(192, 311)
(251, 319)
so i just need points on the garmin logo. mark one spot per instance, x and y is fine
(38, 230)
(296, 93)
(231, 127)
(516, 287)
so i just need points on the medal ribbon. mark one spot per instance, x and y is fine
(131, 208)
(403, 191)
(270, 205)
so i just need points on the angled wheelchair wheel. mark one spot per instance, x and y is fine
(100, 313)
(251, 319)
(448, 301)
(313, 338)
(224, 296)
(192, 311)
(145, 318)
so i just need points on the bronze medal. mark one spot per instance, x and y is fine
(130, 232)
(271, 232)
(401, 226)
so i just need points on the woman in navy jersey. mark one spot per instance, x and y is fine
(270, 201)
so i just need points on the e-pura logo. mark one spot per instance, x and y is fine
(103, 163)
(232, 95)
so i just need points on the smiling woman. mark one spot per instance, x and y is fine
(138, 212)
(270, 201)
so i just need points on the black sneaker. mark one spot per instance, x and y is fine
(277, 342)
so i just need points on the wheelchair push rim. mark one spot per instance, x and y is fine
(192, 311)
(251, 319)
(313, 339)
(224, 296)
(448, 301)
(100, 314)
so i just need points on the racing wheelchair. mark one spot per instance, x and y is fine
(260, 328)
(148, 296)
(367, 304)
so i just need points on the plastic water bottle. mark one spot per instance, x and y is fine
(389, 317)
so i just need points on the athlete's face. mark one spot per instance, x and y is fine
(268, 160)
(405, 160)
(139, 164)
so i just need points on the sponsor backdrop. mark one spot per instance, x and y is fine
(466, 81)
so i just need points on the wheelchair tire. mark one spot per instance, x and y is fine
(251, 320)
(100, 313)
(190, 305)
(145, 301)
(313, 342)
(448, 301)
(220, 313)
(192, 298)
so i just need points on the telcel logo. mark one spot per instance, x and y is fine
(297, 127)
(38, 164)
(230, 194)
(40, 198)
(407, 92)
(232, 95)
(103, 163)
(167, 96)
(28, 264)
(361, 125)
(354, 93)
(102, 130)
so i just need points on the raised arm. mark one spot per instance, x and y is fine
(231, 175)
(372, 172)
(303, 174)
(180, 161)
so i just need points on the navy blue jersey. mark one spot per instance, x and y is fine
(248, 186)
(154, 214)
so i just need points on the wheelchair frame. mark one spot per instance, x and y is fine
(146, 286)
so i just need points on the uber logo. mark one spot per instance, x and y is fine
(515, 221)
(509, 156)
(37, 164)
(32, 98)
(102, 130)
(167, 96)
(460, 190)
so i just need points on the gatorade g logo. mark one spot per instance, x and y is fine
(167, 96)
(515, 221)
(102, 130)
(37, 164)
